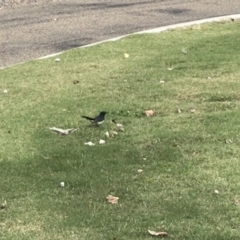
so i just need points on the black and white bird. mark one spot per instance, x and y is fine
(98, 120)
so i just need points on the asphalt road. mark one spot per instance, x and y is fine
(30, 31)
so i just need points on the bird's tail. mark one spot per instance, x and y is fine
(88, 118)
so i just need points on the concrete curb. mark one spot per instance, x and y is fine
(158, 30)
(154, 30)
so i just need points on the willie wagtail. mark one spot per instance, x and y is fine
(98, 119)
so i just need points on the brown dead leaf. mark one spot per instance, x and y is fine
(158, 234)
(112, 199)
(149, 113)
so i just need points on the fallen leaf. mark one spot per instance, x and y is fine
(126, 55)
(149, 113)
(228, 141)
(63, 131)
(119, 125)
(179, 110)
(112, 199)
(184, 50)
(158, 234)
(236, 202)
(114, 133)
(89, 144)
(175, 144)
(107, 134)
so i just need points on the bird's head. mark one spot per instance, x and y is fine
(103, 113)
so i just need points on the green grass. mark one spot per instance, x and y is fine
(184, 156)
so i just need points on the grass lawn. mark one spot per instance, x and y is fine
(184, 156)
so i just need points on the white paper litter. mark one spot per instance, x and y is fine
(101, 141)
(120, 126)
(89, 143)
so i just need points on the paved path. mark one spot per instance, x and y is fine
(35, 30)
